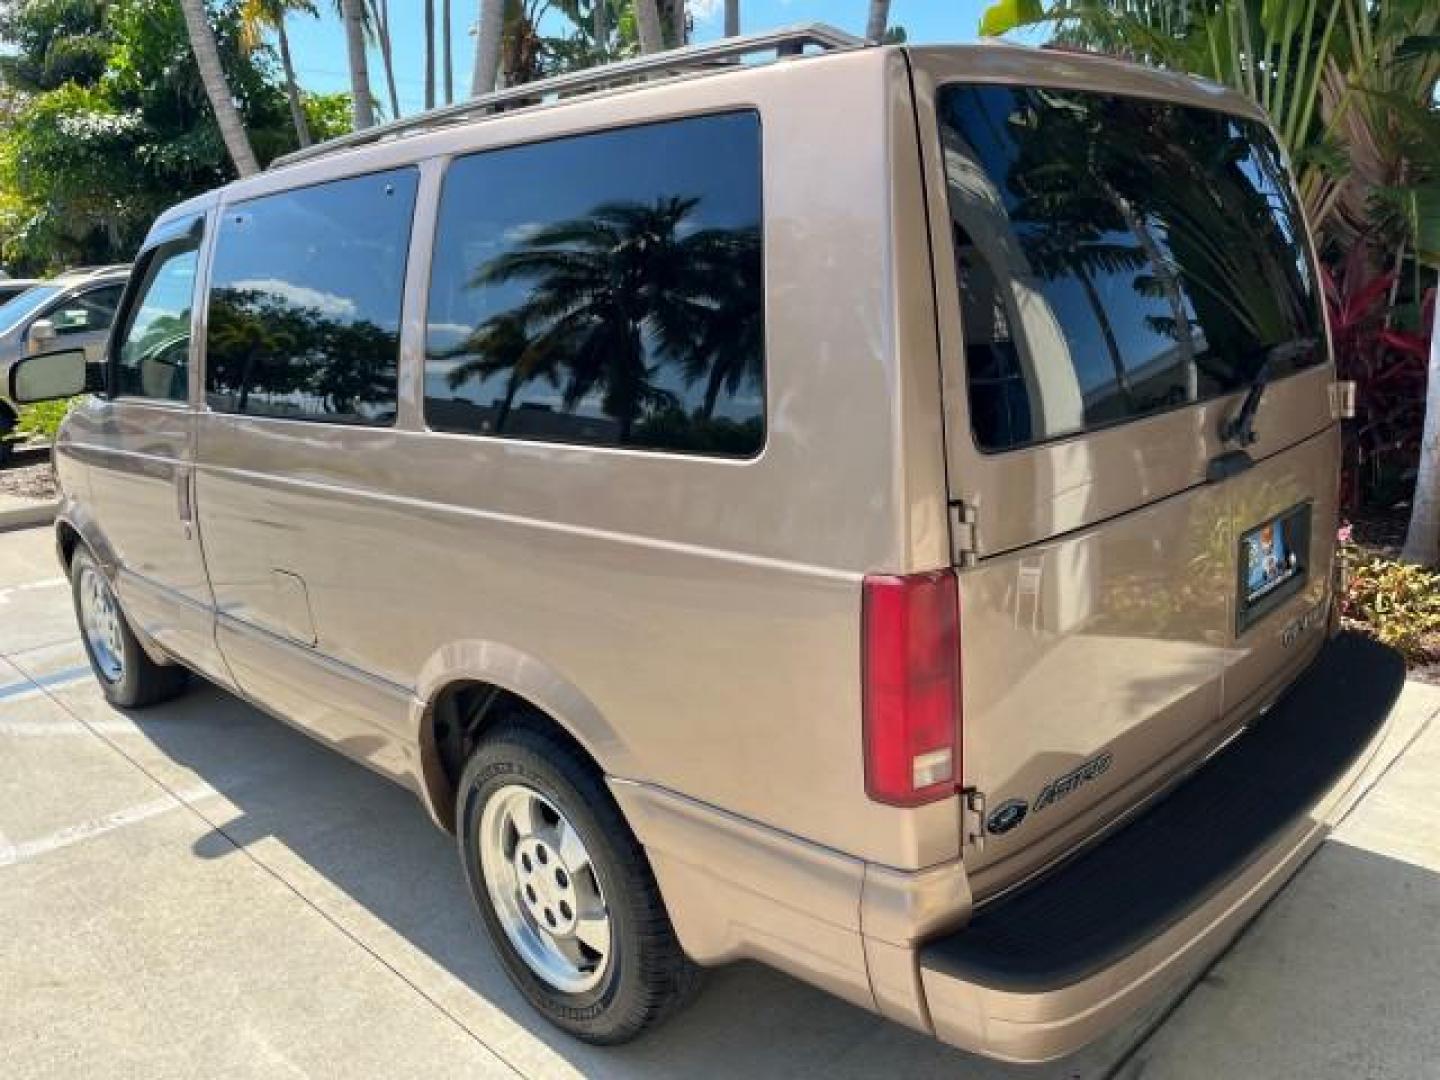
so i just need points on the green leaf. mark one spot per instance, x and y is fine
(1006, 15)
(1418, 46)
(1426, 222)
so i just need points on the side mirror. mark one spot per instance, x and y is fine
(49, 377)
(42, 332)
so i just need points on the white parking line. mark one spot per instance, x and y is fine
(28, 687)
(46, 583)
(11, 854)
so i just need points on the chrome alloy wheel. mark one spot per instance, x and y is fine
(544, 890)
(100, 622)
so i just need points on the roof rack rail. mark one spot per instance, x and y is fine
(719, 55)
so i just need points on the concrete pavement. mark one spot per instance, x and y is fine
(198, 890)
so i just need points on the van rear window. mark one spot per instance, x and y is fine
(1117, 258)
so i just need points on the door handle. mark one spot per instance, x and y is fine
(184, 504)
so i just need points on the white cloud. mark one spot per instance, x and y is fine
(706, 10)
(328, 304)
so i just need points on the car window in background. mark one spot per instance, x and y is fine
(604, 289)
(1117, 257)
(87, 312)
(152, 352)
(16, 311)
(305, 300)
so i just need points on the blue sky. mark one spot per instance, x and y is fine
(319, 45)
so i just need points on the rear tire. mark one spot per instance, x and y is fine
(127, 675)
(535, 818)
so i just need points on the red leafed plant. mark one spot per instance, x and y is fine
(1387, 365)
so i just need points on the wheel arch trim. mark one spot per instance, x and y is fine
(522, 675)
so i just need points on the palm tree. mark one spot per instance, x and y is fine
(487, 47)
(732, 18)
(502, 344)
(217, 88)
(429, 54)
(647, 21)
(878, 20)
(725, 347)
(362, 108)
(377, 28)
(679, 28)
(613, 295)
(257, 16)
(1422, 536)
(447, 61)
(600, 27)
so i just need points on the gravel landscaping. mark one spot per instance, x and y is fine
(28, 475)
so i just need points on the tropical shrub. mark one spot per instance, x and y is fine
(1395, 602)
(1387, 362)
(41, 421)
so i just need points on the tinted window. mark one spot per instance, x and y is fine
(305, 301)
(604, 289)
(152, 352)
(1117, 258)
(87, 312)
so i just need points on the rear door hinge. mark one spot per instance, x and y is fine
(1342, 399)
(964, 540)
(972, 813)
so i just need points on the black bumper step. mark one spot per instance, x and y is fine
(1153, 871)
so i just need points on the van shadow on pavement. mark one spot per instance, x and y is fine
(1335, 978)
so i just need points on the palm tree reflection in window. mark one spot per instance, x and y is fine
(635, 310)
(1170, 230)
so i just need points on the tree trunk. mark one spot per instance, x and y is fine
(732, 18)
(487, 47)
(1112, 347)
(677, 23)
(602, 29)
(1422, 538)
(647, 21)
(447, 61)
(429, 54)
(381, 11)
(1184, 332)
(217, 89)
(292, 88)
(362, 109)
(879, 20)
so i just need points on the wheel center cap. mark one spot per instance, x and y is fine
(545, 886)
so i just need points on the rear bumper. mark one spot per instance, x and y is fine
(1042, 972)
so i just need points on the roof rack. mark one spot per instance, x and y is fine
(725, 54)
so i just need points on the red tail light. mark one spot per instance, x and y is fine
(911, 665)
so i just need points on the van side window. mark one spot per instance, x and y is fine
(604, 289)
(1117, 257)
(87, 312)
(305, 300)
(152, 351)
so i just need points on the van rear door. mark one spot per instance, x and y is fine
(1117, 263)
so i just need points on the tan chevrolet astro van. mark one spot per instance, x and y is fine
(870, 511)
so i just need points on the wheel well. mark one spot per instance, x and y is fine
(460, 717)
(68, 539)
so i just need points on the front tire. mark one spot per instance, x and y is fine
(565, 891)
(7, 444)
(126, 674)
